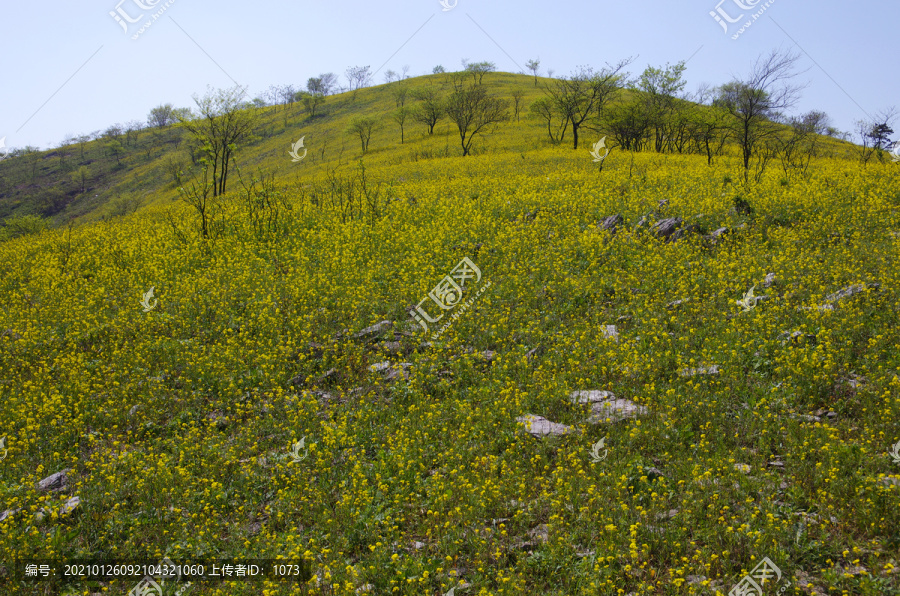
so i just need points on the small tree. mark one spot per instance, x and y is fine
(311, 101)
(542, 109)
(438, 70)
(115, 149)
(363, 126)
(473, 111)
(80, 177)
(755, 102)
(517, 95)
(584, 93)
(429, 108)
(875, 134)
(161, 116)
(223, 122)
(479, 69)
(534, 66)
(400, 116)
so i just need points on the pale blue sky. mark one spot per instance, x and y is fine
(70, 68)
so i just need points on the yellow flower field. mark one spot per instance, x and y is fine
(177, 424)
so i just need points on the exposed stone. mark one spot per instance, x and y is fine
(70, 506)
(55, 482)
(614, 410)
(611, 333)
(380, 367)
(665, 228)
(392, 347)
(611, 223)
(677, 303)
(845, 293)
(390, 371)
(769, 281)
(533, 353)
(591, 396)
(8, 513)
(744, 468)
(376, 330)
(538, 426)
(700, 370)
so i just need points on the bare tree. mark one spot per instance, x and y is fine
(534, 66)
(358, 77)
(222, 123)
(438, 70)
(542, 108)
(405, 72)
(756, 101)
(132, 128)
(517, 95)
(390, 76)
(400, 116)
(473, 111)
(288, 94)
(329, 82)
(585, 92)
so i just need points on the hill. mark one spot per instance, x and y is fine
(514, 372)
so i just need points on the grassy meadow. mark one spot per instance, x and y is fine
(766, 427)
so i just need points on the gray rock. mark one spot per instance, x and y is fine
(611, 333)
(611, 223)
(769, 281)
(614, 410)
(591, 396)
(55, 482)
(534, 353)
(376, 330)
(665, 228)
(538, 426)
(70, 506)
(392, 347)
(700, 370)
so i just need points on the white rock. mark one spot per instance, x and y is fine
(538, 426)
(590, 397)
(615, 410)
